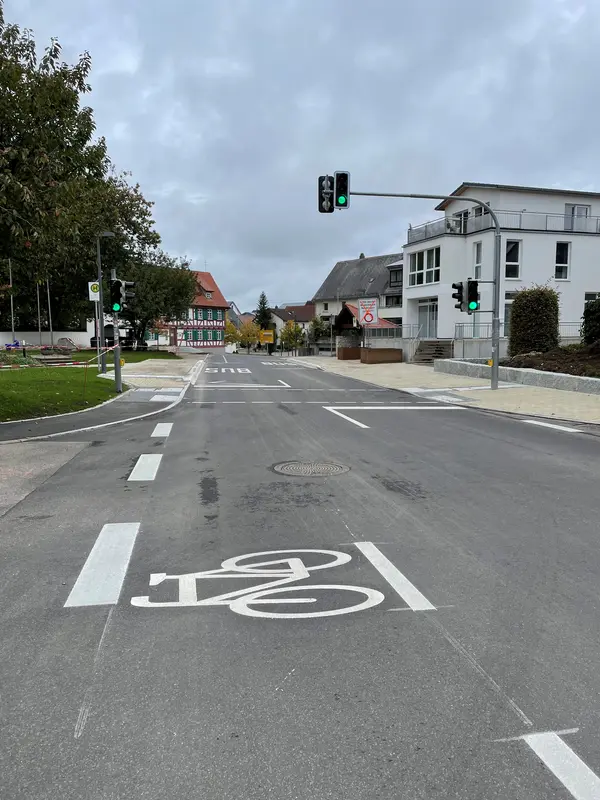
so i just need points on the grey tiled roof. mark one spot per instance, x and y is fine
(360, 277)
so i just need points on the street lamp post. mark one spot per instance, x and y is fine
(104, 235)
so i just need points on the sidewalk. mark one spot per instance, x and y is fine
(154, 385)
(510, 398)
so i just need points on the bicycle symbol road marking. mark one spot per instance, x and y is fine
(287, 567)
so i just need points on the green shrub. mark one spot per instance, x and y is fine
(590, 326)
(534, 321)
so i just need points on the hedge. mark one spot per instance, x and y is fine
(590, 326)
(534, 321)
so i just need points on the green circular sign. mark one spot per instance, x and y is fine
(473, 305)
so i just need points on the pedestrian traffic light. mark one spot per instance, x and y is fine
(326, 194)
(472, 296)
(341, 192)
(125, 293)
(459, 295)
(116, 302)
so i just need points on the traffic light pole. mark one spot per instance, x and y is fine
(117, 352)
(497, 264)
(100, 332)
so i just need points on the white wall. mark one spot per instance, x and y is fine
(524, 201)
(32, 338)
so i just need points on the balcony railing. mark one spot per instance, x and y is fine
(511, 220)
(483, 330)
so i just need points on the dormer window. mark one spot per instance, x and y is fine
(208, 295)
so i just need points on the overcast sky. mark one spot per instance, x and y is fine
(226, 112)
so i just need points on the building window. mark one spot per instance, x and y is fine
(209, 313)
(576, 217)
(477, 255)
(197, 313)
(325, 306)
(393, 300)
(508, 301)
(561, 262)
(424, 267)
(395, 277)
(589, 297)
(462, 219)
(208, 295)
(512, 267)
(219, 315)
(195, 334)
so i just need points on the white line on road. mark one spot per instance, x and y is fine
(343, 416)
(283, 383)
(161, 398)
(233, 402)
(401, 408)
(162, 429)
(262, 402)
(146, 467)
(399, 583)
(565, 764)
(225, 360)
(101, 578)
(550, 425)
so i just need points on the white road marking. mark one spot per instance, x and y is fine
(283, 383)
(162, 429)
(101, 578)
(399, 583)
(233, 402)
(522, 735)
(551, 425)
(402, 408)
(161, 398)
(225, 360)
(146, 467)
(565, 764)
(343, 416)
(262, 402)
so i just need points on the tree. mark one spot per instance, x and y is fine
(590, 326)
(165, 289)
(292, 336)
(319, 329)
(249, 333)
(232, 335)
(263, 313)
(534, 321)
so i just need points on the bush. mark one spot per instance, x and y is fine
(590, 326)
(534, 321)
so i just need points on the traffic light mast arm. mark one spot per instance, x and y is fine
(497, 262)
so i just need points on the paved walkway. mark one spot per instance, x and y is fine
(511, 398)
(159, 373)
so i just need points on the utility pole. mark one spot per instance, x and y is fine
(104, 235)
(117, 348)
(497, 264)
(12, 302)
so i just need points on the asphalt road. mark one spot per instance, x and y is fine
(456, 655)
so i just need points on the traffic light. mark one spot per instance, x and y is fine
(125, 293)
(326, 194)
(116, 301)
(459, 296)
(472, 296)
(341, 192)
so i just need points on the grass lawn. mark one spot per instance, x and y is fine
(42, 391)
(130, 356)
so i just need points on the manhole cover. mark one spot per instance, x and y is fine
(312, 469)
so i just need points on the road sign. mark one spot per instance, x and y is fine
(266, 337)
(94, 291)
(367, 312)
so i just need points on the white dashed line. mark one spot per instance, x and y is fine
(399, 583)
(146, 467)
(101, 578)
(162, 429)
(565, 764)
(551, 425)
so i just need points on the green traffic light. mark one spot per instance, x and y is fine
(473, 305)
(342, 200)
(116, 307)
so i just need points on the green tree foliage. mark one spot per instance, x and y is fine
(164, 291)
(319, 329)
(292, 336)
(232, 334)
(534, 321)
(263, 314)
(590, 326)
(249, 333)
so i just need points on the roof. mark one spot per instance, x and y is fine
(359, 277)
(381, 323)
(529, 189)
(246, 317)
(206, 283)
(302, 313)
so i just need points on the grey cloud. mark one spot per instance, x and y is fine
(227, 111)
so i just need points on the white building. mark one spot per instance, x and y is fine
(549, 236)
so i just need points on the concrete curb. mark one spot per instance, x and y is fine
(527, 377)
(107, 424)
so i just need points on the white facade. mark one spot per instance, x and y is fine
(548, 238)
